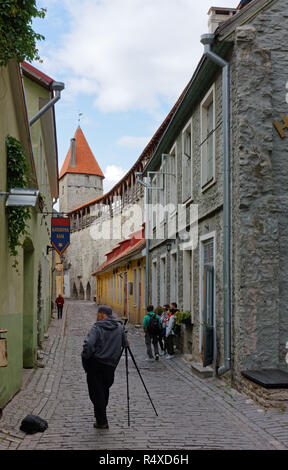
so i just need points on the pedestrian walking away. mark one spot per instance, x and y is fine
(100, 356)
(60, 303)
(151, 326)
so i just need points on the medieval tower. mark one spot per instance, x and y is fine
(80, 181)
(81, 178)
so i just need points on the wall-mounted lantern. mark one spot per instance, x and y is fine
(21, 197)
(168, 245)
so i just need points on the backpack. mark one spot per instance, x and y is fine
(32, 424)
(153, 326)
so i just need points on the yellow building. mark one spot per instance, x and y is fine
(120, 280)
(59, 276)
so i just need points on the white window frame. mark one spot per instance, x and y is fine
(203, 239)
(188, 286)
(154, 285)
(144, 286)
(163, 279)
(154, 200)
(205, 103)
(187, 192)
(172, 196)
(174, 290)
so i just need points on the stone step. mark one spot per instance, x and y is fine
(200, 371)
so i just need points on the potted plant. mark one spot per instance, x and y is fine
(183, 317)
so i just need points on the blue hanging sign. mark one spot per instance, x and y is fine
(60, 233)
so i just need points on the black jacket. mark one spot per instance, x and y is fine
(104, 343)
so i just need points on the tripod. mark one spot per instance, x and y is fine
(127, 348)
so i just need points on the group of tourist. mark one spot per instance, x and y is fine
(158, 326)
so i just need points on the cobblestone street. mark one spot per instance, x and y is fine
(193, 413)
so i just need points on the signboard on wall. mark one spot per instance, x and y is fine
(60, 233)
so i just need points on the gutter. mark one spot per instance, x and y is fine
(207, 40)
(57, 87)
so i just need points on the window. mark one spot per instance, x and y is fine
(154, 286)
(187, 162)
(144, 287)
(208, 138)
(187, 285)
(121, 288)
(207, 295)
(171, 178)
(134, 287)
(153, 193)
(173, 277)
(163, 280)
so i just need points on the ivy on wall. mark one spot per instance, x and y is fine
(17, 217)
(17, 38)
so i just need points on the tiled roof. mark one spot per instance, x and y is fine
(36, 75)
(85, 160)
(132, 245)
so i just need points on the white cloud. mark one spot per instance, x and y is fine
(130, 54)
(113, 174)
(133, 142)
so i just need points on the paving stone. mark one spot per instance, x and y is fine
(192, 413)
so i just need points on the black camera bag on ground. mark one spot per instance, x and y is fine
(32, 424)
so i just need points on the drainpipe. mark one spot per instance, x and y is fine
(207, 40)
(147, 187)
(57, 87)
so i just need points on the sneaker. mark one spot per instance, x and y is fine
(157, 357)
(101, 426)
(149, 359)
(169, 356)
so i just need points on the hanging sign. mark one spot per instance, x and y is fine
(60, 233)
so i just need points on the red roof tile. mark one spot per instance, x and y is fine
(85, 160)
(36, 74)
(132, 245)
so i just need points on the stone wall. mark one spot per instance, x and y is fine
(260, 185)
(97, 237)
(77, 189)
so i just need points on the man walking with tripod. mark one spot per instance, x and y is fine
(100, 356)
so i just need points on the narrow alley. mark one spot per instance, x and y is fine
(193, 413)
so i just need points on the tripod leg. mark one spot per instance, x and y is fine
(133, 359)
(128, 397)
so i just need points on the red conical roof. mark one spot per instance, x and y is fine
(85, 161)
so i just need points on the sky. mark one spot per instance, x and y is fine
(124, 64)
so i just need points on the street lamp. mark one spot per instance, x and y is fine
(168, 245)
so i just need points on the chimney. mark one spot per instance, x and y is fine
(73, 152)
(218, 15)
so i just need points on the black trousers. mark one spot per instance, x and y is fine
(169, 344)
(60, 310)
(100, 377)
